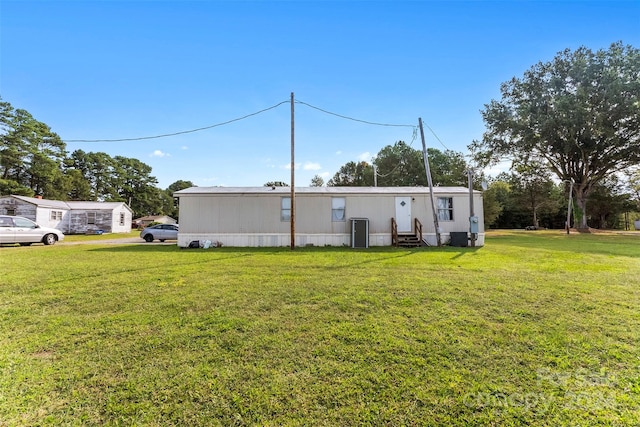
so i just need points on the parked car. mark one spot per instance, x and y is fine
(160, 232)
(16, 229)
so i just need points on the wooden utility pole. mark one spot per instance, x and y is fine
(428, 171)
(472, 212)
(293, 176)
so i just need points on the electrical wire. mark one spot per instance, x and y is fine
(181, 132)
(259, 112)
(434, 134)
(413, 138)
(415, 135)
(351, 118)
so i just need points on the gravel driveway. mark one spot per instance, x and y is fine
(120, 241)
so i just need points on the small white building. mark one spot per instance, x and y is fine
(70, 217)
(325, 216)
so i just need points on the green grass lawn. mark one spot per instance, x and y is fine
(535, 328)
(78, 238)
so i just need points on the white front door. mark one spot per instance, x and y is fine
(403, 214)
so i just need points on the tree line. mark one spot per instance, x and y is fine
(525, 196)
(34, 161)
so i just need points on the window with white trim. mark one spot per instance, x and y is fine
(121, 218)
(91, 217)
(285, 209)
(338, 205)
(445, 209)
(56, 215)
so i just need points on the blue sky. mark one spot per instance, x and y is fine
(121, 69)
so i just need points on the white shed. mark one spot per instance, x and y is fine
(70, 217)
(324, 216)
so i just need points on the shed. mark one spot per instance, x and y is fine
(146, 220)
(260, 216)
(70, 217)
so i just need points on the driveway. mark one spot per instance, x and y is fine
(120, 241)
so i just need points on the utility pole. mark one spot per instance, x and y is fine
(428, 171)
(569, 205)
(472, 213)
(293, 175)
(375, 175)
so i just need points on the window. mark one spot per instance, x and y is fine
(121, 218)
(24, 223)
(56, 215)
(338, 205)
(11, 211)
(285, 209)
(91, 217)
(445, 209)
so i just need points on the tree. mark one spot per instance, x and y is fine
(490, 203)
(608, 202)
(578, 115)
(633, 184)
(8, 186)
(317, 181)
(98, 170)
(400, 165)
(31, 154)
(353, 174)
(532, 187)
(78, 187)
(276, 184)
(135, 185)
(180, 185)
(448, 168)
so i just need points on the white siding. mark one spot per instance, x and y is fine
(251, 217)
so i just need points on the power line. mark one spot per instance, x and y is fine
(434, 134)
(181, 132)
(351, 118)
(259, 112)
(413, 138)
(374, 123)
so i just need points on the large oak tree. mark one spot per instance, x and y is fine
(578, 114)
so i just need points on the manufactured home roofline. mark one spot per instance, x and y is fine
(320, 190)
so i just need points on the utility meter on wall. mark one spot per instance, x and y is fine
(473, 224)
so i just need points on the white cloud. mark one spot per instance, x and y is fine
(310, 166)
(288, 166)
(338, 152)
(325, 175)
(364, 157)
(184, 147)
(158, 153)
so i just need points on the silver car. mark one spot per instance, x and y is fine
(160, 232)
(16, 229)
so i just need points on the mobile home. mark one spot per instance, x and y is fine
(326, 216)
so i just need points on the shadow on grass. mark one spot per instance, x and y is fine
(153, 267)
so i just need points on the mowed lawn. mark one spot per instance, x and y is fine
(535, 328)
